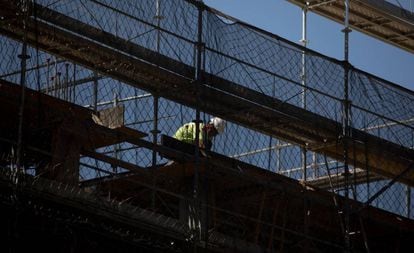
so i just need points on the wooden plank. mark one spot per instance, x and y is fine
(101, 136)
(36, 102)
(42, 110)
(228, 165)
(113, 161)
(113, 41)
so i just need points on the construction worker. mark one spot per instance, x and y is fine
(187, 133)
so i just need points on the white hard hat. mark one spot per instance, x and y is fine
(219, 124)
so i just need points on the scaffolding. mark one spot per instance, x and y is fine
(97, 87)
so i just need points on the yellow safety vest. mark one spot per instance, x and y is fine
(187, 133)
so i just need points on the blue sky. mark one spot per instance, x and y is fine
(285, 19)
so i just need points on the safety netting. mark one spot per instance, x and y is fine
(189, 34)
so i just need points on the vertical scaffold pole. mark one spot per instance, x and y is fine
(408, 188)
(95, 91)
(346, 124)
(158, 17)
(198, 83)
(66, 90)
(117, 146)
(303, 77)
(304, 42)
(408, 201)
(155, 130)
(23, 58)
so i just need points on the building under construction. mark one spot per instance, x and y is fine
(317, 155)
